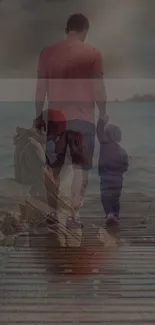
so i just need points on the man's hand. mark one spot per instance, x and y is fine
(41, 90)
(105, 119)
(102, 122)
(39, 124)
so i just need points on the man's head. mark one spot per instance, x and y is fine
(77, 27)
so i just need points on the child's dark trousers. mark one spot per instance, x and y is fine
(110, 188)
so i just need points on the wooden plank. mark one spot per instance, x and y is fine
(72, 308)
(75, 317)
(95, 301)
(124, 292)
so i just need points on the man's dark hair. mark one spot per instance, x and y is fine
(77, 23)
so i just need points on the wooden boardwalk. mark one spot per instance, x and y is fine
(36, 286)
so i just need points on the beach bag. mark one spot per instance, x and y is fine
(28, 156)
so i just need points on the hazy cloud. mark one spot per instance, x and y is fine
(123, 30)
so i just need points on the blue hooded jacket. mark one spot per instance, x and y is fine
(113, 160)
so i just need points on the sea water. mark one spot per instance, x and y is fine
(137, 122)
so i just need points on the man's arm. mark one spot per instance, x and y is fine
(100, 94)
(41, 90)
(101, 103)
(99, 85)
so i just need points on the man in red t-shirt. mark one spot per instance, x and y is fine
(70, 75)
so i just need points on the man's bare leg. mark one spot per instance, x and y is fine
(52, 179)
(78, 187)
(52, 183)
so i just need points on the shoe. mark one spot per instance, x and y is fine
(106, 238)
(73, 223)
(73, 232)
(112, 221)
(52, 221)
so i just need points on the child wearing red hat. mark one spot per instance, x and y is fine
(56, 123)
(56, 126)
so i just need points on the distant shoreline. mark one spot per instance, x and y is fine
(137, 98)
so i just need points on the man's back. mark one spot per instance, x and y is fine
(70, 67)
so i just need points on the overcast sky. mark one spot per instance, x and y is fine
(123, 30)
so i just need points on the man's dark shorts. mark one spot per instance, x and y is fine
(80, 138)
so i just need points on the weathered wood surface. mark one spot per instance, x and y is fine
(37, 287)
(33, 291)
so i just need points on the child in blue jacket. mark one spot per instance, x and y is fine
(113, 163)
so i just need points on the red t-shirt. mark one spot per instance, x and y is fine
(68, 70)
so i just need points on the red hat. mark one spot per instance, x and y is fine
(58, 117)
